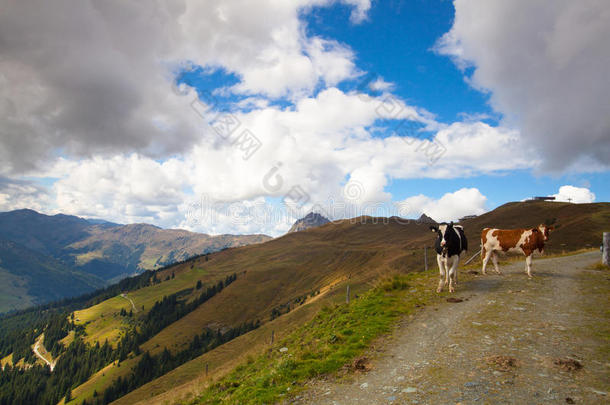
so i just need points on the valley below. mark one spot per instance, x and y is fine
(46, 258)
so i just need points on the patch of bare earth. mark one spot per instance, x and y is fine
(510, 341)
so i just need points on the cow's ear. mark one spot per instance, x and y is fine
(433, 228)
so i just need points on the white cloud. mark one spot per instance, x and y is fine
(574, 194)
(124, 189)
(321, 146)
(381, 85)
(360, 11)
(545, 66)
(95, 78)
(133, 150)
(18, 194)
(450, 207)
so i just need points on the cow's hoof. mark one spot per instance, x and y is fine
(451, 290)
(438, 290)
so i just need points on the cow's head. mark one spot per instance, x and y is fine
(545, 230)
(441, 230)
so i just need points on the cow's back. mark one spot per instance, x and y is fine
(501, 239)
(511, 240)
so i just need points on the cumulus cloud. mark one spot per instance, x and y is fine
(98, 113)
(545, 66)
(322, 147)
(450, 207)
(89, 78)
(574, 194)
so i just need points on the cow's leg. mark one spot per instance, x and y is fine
(453, 273)
(528, 265)
(441, 268)
(494, 258)
(485, 260)
(456, 273)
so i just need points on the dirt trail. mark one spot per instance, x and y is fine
(131, 301)
(445, 354)
(37, 347)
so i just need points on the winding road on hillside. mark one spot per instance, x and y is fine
(510, 341)
(37, 347)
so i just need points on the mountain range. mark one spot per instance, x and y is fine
(44, 258)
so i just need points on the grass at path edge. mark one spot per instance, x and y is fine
(333, 339)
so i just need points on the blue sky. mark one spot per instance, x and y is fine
(491, 107)
(396, 42)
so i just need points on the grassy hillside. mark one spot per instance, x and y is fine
(324, 345)
(105, 251)
(357, 252)
(284, 282)
(577, 225)
(311, 267)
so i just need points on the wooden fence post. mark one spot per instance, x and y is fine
(206, 369)
(272, 336)
(347, 295)
(606, 249)
(425, 258)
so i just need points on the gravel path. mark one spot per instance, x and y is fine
(499, 346)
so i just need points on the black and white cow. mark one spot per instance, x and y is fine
(450, 244)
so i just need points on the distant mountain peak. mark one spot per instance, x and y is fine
(311, 220)
(424, 219)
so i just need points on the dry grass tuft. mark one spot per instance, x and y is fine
(502, 363)
(362, 364)
(567, 364)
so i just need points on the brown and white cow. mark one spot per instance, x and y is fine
(524, 241)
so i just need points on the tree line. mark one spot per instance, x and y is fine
(79, 361)
(151, 367)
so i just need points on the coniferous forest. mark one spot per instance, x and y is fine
(36, 384)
